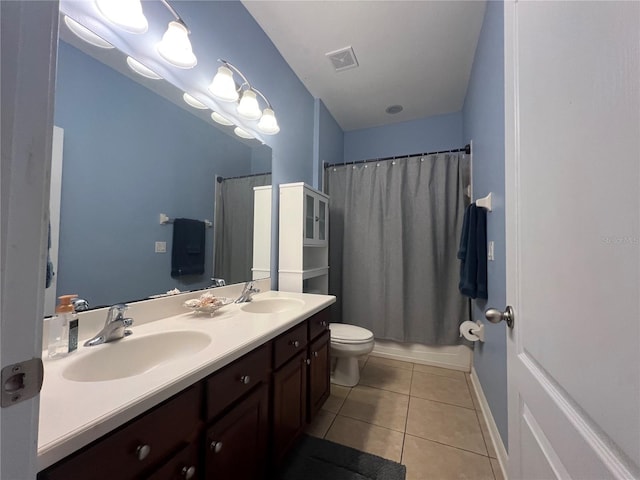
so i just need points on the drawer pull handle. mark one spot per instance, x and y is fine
(143, 451)
(315, 354)
(308, 361)
(216, 446)
(295, 343)
(245, 379)
(323, 323)
(188, 472)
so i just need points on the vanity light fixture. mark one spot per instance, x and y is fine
(175, 46)
(85, 34)
(222, 120)
(127, 14)
(223, 87)
(141, 69)
(242, 133)
(248, 107)
(193, 102)
(268, 123)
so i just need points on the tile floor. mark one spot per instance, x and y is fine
(426, 418)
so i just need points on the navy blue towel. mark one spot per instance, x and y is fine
(188, 249)
(473, 253)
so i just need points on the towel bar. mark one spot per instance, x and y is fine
(164, 219)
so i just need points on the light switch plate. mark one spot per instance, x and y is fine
(161, 247)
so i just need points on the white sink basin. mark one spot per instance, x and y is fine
(272, 305)
(134, 355)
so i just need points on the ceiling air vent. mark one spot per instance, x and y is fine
(342, 59)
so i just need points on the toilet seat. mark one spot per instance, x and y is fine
(349, 334)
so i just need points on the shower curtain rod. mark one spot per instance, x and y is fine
(466, 149)
(220, 179)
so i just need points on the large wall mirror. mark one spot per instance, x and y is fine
(131, 150)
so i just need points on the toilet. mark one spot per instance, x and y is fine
(348, 342)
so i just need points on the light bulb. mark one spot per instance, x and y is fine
(127, 14)
(85, 34)
(248, 106)
(223, 87)
(175, 46)
(220, 119)
(193, 102)
(242, 133)
(141, 69)
(268, 123)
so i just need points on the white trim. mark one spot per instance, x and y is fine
(496, 439)
(455, 357)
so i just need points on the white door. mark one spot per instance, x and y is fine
(572, 81)
(28, 42)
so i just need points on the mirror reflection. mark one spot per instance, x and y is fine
(129, 155)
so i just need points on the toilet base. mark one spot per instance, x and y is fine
(346, 372)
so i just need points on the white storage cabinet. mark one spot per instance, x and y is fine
(304, 239)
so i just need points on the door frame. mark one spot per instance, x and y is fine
(28, 62)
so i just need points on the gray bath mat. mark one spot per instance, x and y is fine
(317, 459)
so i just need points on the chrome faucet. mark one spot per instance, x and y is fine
(114, 327)
(247, 293)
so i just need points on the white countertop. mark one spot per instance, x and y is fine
(73, 414)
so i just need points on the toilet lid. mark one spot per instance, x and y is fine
(343, 333)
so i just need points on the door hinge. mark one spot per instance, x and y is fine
(21, 381)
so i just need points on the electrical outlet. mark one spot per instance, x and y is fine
(490, 255)
(161, 247)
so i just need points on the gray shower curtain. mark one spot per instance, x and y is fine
(393, 238)
(233, 230)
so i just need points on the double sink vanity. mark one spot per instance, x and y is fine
(188, 396)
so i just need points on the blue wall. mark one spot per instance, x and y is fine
(328, 142)
(483, 116)
(227, 30)
(128, 156)
(440, 132)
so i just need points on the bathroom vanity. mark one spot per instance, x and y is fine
(231, 410)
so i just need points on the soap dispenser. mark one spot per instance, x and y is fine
(63, 328)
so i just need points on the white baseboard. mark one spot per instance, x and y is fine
(496, 439)
(456, 357)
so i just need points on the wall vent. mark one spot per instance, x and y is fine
(342, 59)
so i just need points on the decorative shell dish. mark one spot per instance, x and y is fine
(207, 303)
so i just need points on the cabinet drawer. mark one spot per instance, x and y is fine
(318, 324)
(234, 380)
(182, 466)
(139, 446)
(288, 344)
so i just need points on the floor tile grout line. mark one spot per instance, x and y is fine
(369, 423)
(486, 445)
(406, 420)
(444, 403)
(451, 446)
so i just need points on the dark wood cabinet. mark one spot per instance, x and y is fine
(319, 374)
(233, 425)
(138, 448)
(236, 444)
(289, 404)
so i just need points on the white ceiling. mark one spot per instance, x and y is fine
(417, 54)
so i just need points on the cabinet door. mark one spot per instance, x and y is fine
(309, 218)
(322, 221)
(236, 445)
(289, 404)
(319, 374)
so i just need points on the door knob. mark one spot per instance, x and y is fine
(496, 316)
